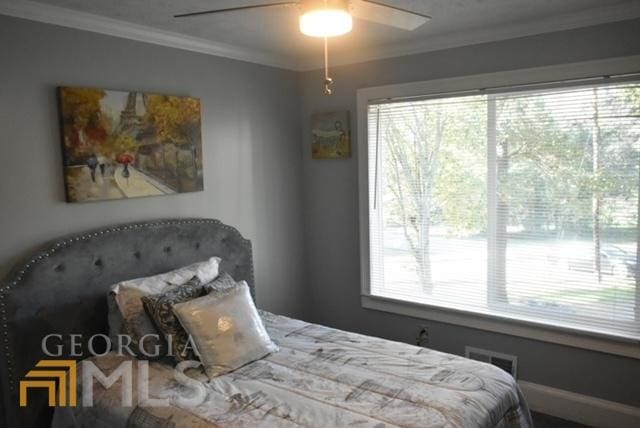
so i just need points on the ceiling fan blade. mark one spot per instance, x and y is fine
(375, 11)
(233, 9)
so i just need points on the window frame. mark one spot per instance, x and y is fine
(499, 323)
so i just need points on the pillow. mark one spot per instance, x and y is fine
(127, 314)
(134, 323)
(159, 307)
(226, 329)
(223, 282)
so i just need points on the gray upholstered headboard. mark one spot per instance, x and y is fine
(62, 289)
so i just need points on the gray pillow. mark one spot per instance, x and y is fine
(132, 321)
(159, 307)
(226, 329)
(224, 281)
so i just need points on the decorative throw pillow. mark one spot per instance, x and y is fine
(226, 329)
(145, 339)
(224, 281)
(127, 314)
(160, 308)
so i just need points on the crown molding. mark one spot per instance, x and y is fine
(49, 14)
(586, 18)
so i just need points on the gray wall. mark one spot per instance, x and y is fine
(252, 170)
(331, 208)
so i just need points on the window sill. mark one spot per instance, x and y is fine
(504, 325)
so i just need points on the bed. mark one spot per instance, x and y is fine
(319, 377)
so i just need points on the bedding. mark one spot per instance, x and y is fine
(321, 377)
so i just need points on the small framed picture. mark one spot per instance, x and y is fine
(331, 135)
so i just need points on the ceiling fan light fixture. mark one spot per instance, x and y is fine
(328, 18)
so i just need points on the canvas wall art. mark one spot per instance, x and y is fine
(331, 135)
(129, 144)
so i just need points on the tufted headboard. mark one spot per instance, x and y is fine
(63, 287)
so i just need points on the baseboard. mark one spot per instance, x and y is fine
(579, 408)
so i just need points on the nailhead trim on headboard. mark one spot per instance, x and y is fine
(15, 277)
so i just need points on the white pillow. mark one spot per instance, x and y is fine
(206, 271)
(126, 311)
(226, 329)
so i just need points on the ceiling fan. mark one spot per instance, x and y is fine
(331, 18)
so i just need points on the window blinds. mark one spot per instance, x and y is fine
(522, 205)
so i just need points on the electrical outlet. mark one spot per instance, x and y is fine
(422, 339)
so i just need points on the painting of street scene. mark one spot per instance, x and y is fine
(120, 145)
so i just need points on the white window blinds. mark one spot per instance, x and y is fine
(522, 205)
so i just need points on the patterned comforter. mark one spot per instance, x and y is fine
(321, 377)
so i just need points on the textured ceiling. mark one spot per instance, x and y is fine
(274, 30)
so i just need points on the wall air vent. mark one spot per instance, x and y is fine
(508, 363)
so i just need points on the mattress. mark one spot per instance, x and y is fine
(320, 377)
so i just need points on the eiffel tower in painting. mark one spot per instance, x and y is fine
(130, 121)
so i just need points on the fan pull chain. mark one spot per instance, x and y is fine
(328, 81)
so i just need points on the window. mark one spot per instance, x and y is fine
(520, 204)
